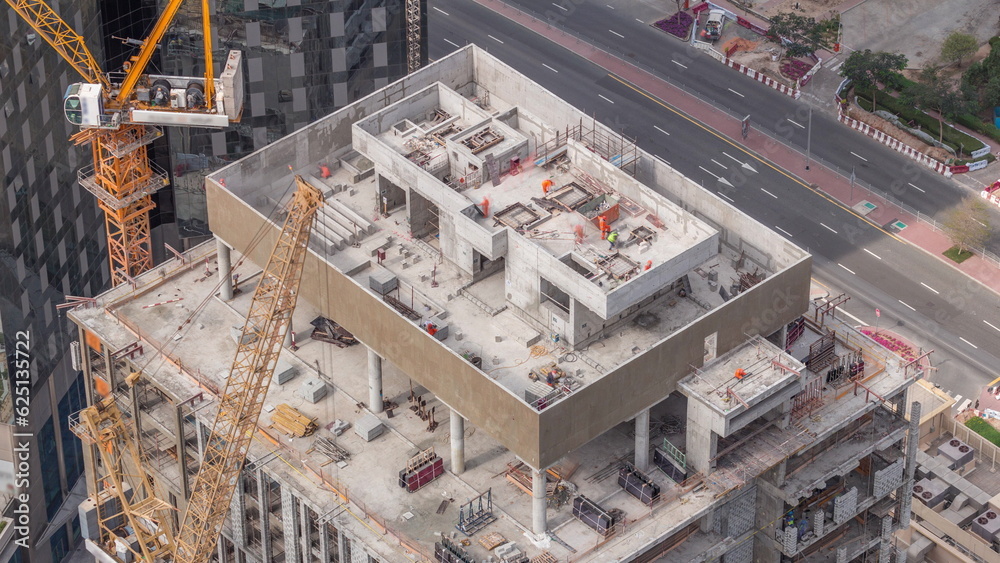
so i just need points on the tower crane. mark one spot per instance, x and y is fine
(120, 113)
(226, 447)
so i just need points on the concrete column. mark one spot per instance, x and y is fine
(181, 454)
(264, 491)
(225, 265)
(783, 336)
(288, 336)
(289, 519)
(307, 554)
(538, 525)
(374, 381)
(912, 443)
(642, 440)
(457, 443)
(237, 516)
(324, 542)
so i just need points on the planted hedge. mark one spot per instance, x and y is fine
(952, 137)
(984, 429)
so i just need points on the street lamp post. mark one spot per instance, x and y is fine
(809, 137)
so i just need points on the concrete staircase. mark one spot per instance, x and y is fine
(338, 226)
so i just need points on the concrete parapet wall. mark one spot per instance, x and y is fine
(445, 374)
(649, 377)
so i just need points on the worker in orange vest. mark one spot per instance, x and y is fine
(546, 184)
(578, 231)
(602, 223)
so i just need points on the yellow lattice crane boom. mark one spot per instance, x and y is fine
(241, 401)
(123, 492)
(119, 120)
(123, 477)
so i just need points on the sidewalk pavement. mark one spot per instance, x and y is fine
(824, 181)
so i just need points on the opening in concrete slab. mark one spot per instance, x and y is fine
(423, 215)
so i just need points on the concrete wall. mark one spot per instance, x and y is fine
(254, 175)
(649, 377)
(487, 405)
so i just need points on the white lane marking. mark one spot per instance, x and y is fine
(829, 229)
(661, 130)
(453, 43)
(872, 253)
(969, 343)
(560, 7)
(442, 11)
(769, 193)
(610, 6)
(607, 99)
(991, 325)
(709, 173)
(640, 21)
(550, 68)
(846, 268)
(735, 92)
(783, 230)
(932, 289)
(859, 321)
(677, 63)
(916, 188)
(616, 33)
(727, 197)
(905, 305)
(663, 159)
(797, 124)
(732, 157)
(720, 164)
(495, 39)
(859, 156)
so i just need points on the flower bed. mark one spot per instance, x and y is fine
(892, 344)
(794, 69)
(678, 24)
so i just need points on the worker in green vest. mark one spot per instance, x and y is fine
(612, 237)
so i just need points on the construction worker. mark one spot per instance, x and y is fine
(546, 184)
(578, 233)
(612, 237)
(602, 223)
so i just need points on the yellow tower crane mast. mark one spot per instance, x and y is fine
(119, 117)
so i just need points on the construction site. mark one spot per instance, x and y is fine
(517, 338)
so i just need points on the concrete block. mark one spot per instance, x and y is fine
(383, 281)
(236, 331)
(313, 389)
(368, 427)
(284, 372)
(339, 426)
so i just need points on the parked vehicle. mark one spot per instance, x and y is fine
(713, 27)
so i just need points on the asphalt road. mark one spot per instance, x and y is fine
(918, 295)
(614, 26)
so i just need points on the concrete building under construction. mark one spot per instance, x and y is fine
(521, 389)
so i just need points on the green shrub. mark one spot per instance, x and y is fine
(952, 137)
(960, 161)
(979, 126)
(984, 429)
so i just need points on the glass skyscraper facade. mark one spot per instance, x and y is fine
(51, 245)
(302, 60)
